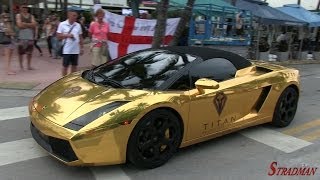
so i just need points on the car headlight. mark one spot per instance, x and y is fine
(85, 119)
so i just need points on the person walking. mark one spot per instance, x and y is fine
(26, 24)
(70, 32)
(98, 31)
(6, 28)
(37, 37)
(47, 29)
(54, 39)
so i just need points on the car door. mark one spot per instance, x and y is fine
(223, 108)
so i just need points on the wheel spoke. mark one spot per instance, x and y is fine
(284, 116)
(157, 151)
(146, 145)
(166, 141)
(292, 108)
(290, 99)
(284, 100)
(163, 127)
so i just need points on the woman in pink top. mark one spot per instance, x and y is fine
(99, 34)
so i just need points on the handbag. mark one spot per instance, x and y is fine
(4, 39)
(60, 46)
(104, 50)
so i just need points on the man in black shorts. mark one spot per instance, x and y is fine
(70, 32)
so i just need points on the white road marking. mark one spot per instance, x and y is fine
(275, 139)
(109, 173)
(20, 150)
(26, 149)
(18, 93)
(13, 113)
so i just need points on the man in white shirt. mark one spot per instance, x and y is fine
(282, 37)
(70, 32)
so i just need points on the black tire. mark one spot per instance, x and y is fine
(286, 107)
(154, 140)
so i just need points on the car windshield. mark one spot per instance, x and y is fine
(142, 70)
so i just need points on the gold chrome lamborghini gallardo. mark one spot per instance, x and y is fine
(144, 106)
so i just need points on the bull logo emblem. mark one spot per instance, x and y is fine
(220, 101)
(71, 91)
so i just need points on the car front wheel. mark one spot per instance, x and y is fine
(154, 139)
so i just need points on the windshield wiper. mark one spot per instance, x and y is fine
(108, 80)
(89, 75)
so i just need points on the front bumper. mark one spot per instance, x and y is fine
(57, 147)
(80, 148)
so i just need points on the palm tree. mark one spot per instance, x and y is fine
(134, 4)
(45, 8)
(160, 28)
(61, 4)
(65, 8)
(185, 17)
(56, 6)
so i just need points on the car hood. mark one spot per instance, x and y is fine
(61, 99)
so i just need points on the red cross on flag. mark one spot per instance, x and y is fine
(128, 34)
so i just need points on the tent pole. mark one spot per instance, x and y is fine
(300, 50)
(301, 43)
(289, 43)
(258, 41)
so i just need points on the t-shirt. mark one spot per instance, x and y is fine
(99, 32)
(281, 37)
(71, 45)
(26, 33)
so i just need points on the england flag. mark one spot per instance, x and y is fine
(128, 34)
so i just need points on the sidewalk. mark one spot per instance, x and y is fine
(47, 70)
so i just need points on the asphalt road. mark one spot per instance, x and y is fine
(246, 154)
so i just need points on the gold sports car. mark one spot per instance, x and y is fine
(144, 106)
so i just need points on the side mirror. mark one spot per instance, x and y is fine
(204, 83)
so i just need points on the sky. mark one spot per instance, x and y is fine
(308, 4)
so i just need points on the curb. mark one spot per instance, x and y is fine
(30, 85)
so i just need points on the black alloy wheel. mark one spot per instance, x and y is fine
(286, 107)
(154, 139)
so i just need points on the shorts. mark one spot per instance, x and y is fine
(25, 47)
(10, 46)
(98, 58)
(70, 59)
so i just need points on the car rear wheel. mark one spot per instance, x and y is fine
(286, 107)
(154, 139)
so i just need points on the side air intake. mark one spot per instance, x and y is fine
(262, 98)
